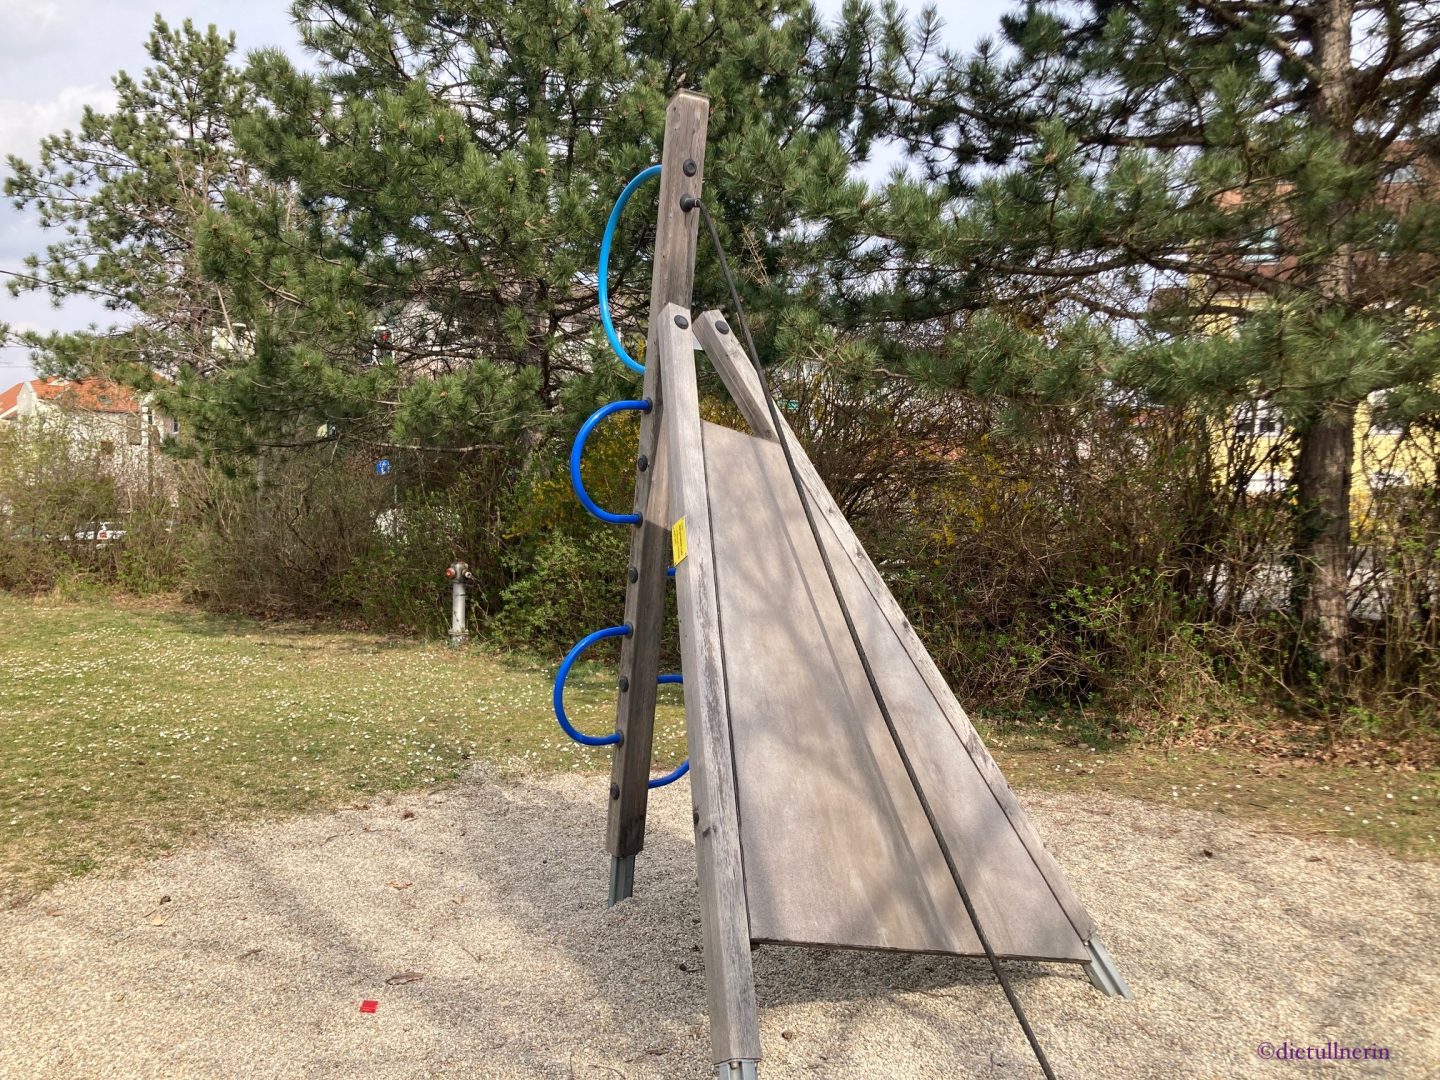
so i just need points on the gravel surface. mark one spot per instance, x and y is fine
(475, 918)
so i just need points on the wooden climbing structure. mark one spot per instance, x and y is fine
(841, 796)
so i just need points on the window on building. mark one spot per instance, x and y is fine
(1263, 248)
(1381, 420)
(1269, 482)
(1257, 419)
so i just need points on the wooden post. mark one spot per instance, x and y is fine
(683, 161)
(724, 913)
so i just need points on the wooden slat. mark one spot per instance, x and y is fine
(645, 598)
(844, 547)
(723, 347)
(734, 1031)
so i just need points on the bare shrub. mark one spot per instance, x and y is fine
(276, 539)
(52, 486)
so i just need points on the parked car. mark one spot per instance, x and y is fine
(99, 533)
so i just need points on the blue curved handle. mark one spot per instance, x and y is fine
(671, 777)
(564, 673)
(577, 452)
(558, 698)
(604, 269)
(684, 767)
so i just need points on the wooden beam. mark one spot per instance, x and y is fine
(738, 374)
(729, 980)
(673, 277)
(718, 338)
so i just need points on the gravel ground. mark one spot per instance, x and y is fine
(475, 918)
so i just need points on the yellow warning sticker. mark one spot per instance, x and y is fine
(677, 542)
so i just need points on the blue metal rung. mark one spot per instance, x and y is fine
(577, 453)
(684, 767)
(558, 696)
(558, 699)
(604, 268)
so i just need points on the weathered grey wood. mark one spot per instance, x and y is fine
(727, 355)
(671, 283)
(730, 991)
(837, 848)
(736, 371)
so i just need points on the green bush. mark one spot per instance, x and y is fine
(51, 484)
(274, 540)
(573, 585)
(318, 534)
(397, 582)
(151, 557)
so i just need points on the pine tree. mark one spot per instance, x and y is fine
(125, 193)
(394, 248)
(446, 174)
(1204, 201)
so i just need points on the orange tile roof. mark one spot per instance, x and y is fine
(10, 398)
(89, 395)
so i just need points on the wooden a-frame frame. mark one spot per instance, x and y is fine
(803, 833)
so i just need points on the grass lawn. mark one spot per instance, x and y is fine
(126, 728)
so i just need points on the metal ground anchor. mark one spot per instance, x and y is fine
(1102, 971)
(622, 878)
(737, 1069)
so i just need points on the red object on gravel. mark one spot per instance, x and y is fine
(369, 1006)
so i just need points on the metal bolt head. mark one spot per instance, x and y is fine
(624, 683)
(689, 168)
(682, 322)
(614, 791)
(633, 575)
(722, 327)
(642, 463)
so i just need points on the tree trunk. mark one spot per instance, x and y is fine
(1323, 473)
(1327, 444)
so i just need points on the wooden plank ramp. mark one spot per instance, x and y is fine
(835, 847)
(738, 374)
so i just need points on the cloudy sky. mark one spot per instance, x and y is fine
(60, 55)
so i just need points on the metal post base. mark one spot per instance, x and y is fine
(622, 878)
(1103, 975)
(739, 1069)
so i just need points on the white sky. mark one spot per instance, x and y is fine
(57, 56)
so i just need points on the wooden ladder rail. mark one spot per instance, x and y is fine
(682, 171)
